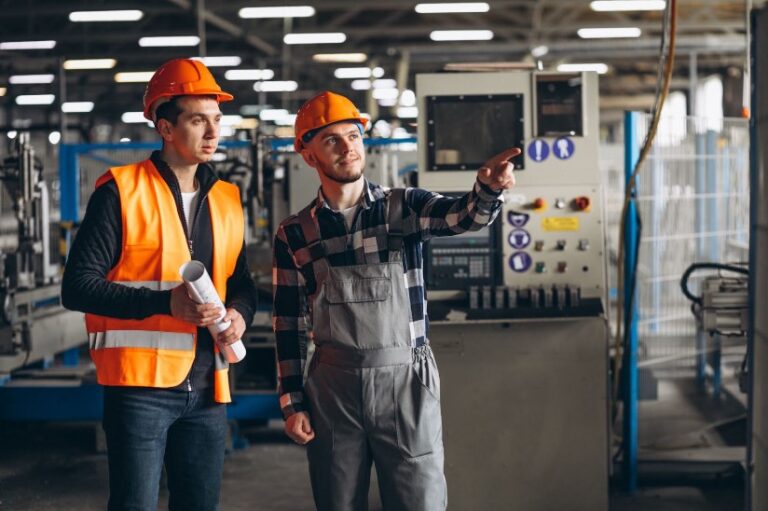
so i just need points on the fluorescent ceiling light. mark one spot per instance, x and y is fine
(606, 33)
(539, 51)
(315, 38)
(439, 8)
(276, 86)
(3, 90)
(286, 120)
(407, 112)
(361, 84)
(133, 117)
(358, 72)
(27, 45)
(628, 5)
(124, 15)
(296, 11)
(231, 120)
(134, 76)
(219, 61)
(461, 35)
(271, 114)
(30, 79)
(35, 99)
(340, 57)
(125, 139)
(71, 107)
(408, 98)
(598, 67)
(249, 74)
(71, 65)
(385, 93)
(384, 83)
(352, 72)
(387, 102)
(162, 41)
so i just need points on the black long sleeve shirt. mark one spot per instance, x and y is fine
(97, 249)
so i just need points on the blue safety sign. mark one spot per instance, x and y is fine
(519, 239)
(520, 261)
(563, 148)
(538, 150)
(517, 219)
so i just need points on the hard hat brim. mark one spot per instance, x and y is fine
(221, 97)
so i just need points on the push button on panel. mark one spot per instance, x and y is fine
(582, 203)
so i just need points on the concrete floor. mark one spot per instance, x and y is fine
(55, 467)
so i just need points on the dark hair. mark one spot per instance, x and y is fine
(170, 110)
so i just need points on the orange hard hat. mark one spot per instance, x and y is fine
(324, 109)
(181, 77)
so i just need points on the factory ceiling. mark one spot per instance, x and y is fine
(391, 34)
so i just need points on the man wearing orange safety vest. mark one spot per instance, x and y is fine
(165, 382)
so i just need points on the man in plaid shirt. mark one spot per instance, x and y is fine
(347, 273)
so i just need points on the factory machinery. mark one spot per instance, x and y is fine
(517, 311)
(33, 325)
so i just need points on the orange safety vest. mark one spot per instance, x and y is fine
(158, 351)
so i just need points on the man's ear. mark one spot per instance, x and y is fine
(163, 127)
(309, 157)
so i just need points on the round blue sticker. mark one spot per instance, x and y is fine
(519, 239)
(517, 218)
(538, 150)
(563, 148)
(520, 261)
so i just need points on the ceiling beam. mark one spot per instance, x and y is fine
(229, 27)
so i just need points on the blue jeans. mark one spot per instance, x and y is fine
(146, 427)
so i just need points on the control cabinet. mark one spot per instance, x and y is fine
(548, 246)
(519, 317)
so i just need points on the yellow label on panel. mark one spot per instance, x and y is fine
(560, 223)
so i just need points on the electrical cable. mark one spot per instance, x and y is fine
(706, 266)
(669, 26)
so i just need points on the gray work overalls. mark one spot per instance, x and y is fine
(371, 395)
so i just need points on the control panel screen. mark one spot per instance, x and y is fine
(464, 131)
(467, 259)
(558, 105)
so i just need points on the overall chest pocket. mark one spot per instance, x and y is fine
(360, 311)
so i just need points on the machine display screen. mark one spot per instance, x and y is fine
(464, 131)
(467, 259)
(558, 105)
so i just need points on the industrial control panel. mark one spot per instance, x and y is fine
(547, 249)
(518, 309)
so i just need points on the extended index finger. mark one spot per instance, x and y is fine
(502, 157)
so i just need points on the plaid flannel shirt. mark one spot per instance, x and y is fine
(425, 214)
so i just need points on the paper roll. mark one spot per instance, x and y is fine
(202, 290)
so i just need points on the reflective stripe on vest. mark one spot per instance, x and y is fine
(158, 351)
(141, 339)
(154, 285)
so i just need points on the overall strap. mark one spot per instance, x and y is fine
(395, 220)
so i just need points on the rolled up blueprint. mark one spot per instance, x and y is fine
(201, 290)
